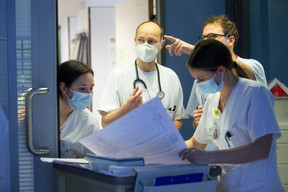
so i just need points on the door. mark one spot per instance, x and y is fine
(30, 47)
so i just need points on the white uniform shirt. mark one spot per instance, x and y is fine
(196, 98)
(79, 124)
(257, 69)
(248, 115)
(120, 85)
(5, 153)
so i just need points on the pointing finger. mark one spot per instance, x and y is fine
(170, 38)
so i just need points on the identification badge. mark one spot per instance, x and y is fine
(215, 124)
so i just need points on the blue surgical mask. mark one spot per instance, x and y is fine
(79, 100)
(210, 86)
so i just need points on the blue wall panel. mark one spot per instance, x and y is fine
(184, 20)
(269, 39)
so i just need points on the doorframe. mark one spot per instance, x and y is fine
(238, 11)
(12, 94)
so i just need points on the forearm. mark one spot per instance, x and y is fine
(255, 151)
(178, 123)
(108, 118)
(192, 142)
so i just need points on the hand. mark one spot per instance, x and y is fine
(135, 99)
(195, 155)
(178, 46)
(197, 114)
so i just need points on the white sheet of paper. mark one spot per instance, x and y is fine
(64, 160)
(148, 131)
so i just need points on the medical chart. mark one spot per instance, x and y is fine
(68, 161)
(147, 132)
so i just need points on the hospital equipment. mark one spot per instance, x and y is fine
(160, 178)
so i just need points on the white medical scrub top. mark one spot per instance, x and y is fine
(79, 124)
(120, 82)
(5, 153)
(248, 115)
(196, 98)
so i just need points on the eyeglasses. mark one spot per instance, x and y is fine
(210, 36)
(149, 41)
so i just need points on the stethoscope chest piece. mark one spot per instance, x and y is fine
(160, 94)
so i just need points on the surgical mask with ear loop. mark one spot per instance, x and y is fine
(79, 100)
(225, 38)
(210, 86)
(146, 52)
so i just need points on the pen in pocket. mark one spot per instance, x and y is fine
(227, 138)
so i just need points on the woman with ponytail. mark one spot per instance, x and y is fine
(238, 117)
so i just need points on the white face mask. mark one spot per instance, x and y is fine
(146, 52)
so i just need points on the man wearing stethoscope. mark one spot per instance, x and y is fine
(132, 85)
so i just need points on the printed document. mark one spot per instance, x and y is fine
(148, 132)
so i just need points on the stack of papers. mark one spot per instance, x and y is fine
(147, 132)
(104, 163)
(68, 161)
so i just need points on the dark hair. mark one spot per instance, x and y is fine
(70, 70)
(161, 29)
(227, 25)
(210, 54)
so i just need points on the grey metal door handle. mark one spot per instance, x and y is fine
(29, 127)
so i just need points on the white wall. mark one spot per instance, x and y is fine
(64, 41)
(72, 33)
(66, 8)
(129, 15)
(100, 3)
(83, 21)
(102, 26)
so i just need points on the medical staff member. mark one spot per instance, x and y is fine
(224, 30)
(132, 85)
(5, 152)
(239, 118)
(76, 84)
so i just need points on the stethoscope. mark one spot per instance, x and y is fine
(160, 93)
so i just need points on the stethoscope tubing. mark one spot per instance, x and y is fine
(160, 94)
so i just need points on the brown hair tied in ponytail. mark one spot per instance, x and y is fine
(239, 71)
